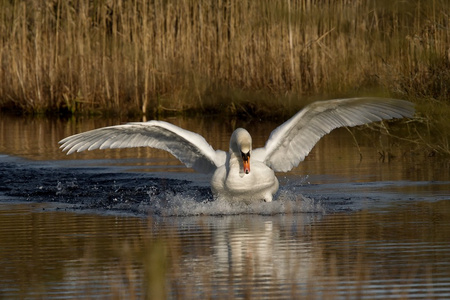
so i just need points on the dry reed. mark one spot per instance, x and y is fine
(151, 56)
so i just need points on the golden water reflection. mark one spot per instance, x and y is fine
(398, 249)
(374, 254)
(335, 155)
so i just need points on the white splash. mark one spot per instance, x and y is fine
(188, 204)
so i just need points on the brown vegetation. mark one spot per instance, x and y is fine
(150, 56)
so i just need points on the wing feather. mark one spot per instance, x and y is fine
(189, 147)
(289, 144)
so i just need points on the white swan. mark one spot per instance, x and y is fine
(242, 173)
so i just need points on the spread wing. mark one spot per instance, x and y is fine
(289, 144)
(189, 147)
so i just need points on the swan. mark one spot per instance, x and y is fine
(243, 173)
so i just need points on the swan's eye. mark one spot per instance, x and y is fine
(245, 156)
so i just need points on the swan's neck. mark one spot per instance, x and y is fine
(236, 164)
(240, 148)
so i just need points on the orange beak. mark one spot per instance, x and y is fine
(246, 166)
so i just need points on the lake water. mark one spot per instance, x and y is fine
(137, 224)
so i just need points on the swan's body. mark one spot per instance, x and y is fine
(243, 173)
(234, 180)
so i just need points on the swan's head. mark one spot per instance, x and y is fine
(241, 146)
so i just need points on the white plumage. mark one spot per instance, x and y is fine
(286, 147)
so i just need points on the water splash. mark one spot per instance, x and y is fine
(110, 190)
(193, 202)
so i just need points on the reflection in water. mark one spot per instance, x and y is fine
(390, 242)
(336, 154)
(37, 138)
(260, 256)
(378, 254)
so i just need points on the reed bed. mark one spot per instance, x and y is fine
(92, 56)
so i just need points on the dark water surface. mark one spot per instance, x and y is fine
(136, 223)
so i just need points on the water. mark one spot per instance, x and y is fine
(136, 223)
